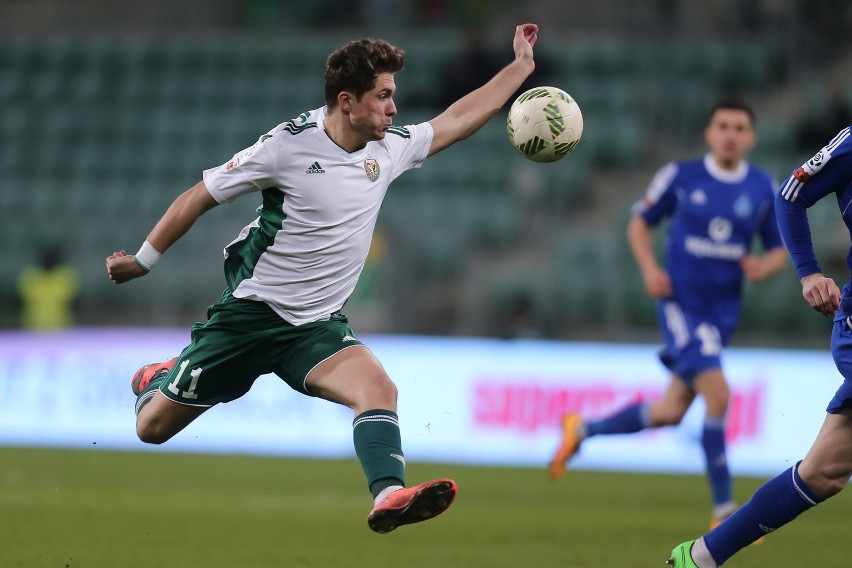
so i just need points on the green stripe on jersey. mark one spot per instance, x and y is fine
(399, 131)
(244, 255)
(294, 128)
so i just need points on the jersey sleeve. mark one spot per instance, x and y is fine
(408, 146)
(660, 199)
(248, 171)
(829, 171)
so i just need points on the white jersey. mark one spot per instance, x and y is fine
(305, 251)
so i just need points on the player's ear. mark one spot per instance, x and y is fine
(344, 101)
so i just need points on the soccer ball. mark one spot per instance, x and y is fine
(545, 124)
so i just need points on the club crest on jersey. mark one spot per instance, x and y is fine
(371, 166)
(742, 207)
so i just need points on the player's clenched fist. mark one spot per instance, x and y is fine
(122, 267)
(821, 293)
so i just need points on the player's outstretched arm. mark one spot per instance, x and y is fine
(180, 216)
(469, 113)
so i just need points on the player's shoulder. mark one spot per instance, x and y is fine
(839, 147)
(400, 136)
(403, 132)
(837, 153)
(690, 167)
(305, 123)
(761, 178)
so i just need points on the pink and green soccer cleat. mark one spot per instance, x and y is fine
(144, 375)
(412, 505)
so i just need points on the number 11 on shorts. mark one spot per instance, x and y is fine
(194, 374)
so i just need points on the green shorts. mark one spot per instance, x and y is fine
(244, 339)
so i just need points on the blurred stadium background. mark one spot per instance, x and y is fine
(109, 109)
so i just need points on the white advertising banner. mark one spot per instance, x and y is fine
(470, 401)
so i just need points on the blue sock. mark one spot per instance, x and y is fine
(629, 420)
(773, 505)
(713, 442)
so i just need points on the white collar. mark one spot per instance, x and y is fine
(725, 176)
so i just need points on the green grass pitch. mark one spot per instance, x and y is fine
(81, 509)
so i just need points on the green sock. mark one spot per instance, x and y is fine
(379, 448)
(148, 392)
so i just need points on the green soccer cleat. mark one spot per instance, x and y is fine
(681, 557)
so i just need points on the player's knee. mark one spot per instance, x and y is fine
(834, 481)
(152, 432)
(669, 419)
(668, 416)
(386, 390)
(829, 480)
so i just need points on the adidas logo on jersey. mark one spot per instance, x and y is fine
(315, 168)
(348, 338)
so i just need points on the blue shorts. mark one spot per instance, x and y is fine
(841, 350)
(694, 341)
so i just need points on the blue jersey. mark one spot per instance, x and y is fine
(714, 217)
(829, 171)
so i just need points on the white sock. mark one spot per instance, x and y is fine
(385, 492)
(723, 511)
(701, 556)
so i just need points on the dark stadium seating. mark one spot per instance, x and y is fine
(100, 134)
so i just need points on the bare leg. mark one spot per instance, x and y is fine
(162, 418)
(669, 409)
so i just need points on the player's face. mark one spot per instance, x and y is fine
(730, 136)
(373, 114)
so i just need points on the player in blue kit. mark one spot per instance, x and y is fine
(827, 467)
(716, 205)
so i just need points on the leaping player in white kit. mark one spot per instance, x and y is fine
(322, 177)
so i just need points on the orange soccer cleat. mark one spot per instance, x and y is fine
(569, 446)
(412, 505)
(144, 375)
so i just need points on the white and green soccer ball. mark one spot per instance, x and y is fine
(545, 124)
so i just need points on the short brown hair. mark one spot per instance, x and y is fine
(355, 66)
(733, 104)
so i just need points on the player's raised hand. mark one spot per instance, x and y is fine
(821, 293)
(122, 267)
(525, 37)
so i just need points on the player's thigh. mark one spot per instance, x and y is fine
(227, 354)
(162, 418)
(841, 351)
(353, 377)
(828, 464)
(712, 385)
(673, 404)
